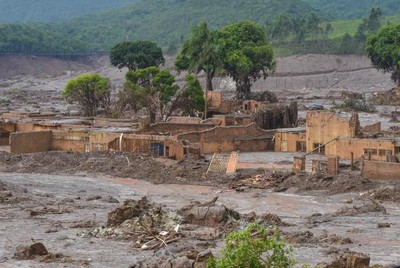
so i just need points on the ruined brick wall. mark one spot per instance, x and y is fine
(174, 128)
(359, 147)
(30, 142)
(322, 127)
(372, 128)
(226, 139)
(5, 129)
(276, 116)
(375, 170)
(288, 141)
(71, 141)
(140, 143)
(175, 149)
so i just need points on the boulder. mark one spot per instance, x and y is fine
(24, 252)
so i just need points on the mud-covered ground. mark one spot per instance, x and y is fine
(67, 209)
(72, 203)
(306, 79)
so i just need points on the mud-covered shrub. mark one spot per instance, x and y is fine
(254, 247)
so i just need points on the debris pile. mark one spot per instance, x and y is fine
(367, 206)
(388, 193)
(118, 164)
(342, 183)
(390, 97)
(307, 237)
(348, 259)
(281, 181)
(265, 181)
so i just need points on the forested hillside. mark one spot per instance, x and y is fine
(349, 9)
(293, 26)
(15, 11)
(166, 21)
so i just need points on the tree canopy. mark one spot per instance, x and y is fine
(153, 89)
(136, 55)
(247, 57)
(383, 48)
(91, 91)
(200, 52)
(156, 90)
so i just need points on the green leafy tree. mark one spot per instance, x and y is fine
(154, 89)
(192, 98)
(256, 248)
(246, 55)
(369, 25)
(91, 91)
(383, 48)
(200, 52)
(136, 55)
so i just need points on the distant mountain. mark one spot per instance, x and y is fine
(16, 11)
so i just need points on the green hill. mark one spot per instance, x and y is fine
(16, 11)
(167, 22)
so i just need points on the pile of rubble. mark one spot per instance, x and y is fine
(190, 230)
(281, 181)
(118, 164)
(390, 97)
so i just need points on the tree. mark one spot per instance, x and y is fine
(246, 55)
(369, 25)
(245, 248)
(154, 89)
(200, 52)
(192, 98)
(136, 55)
(91, 91)
(383, 48)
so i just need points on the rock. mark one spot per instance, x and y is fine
(83, 224)
(181, 262)
(366, 207)
(109, 199)
(358, 260)
(29, 252)
(93, 197)
(384, 225)
(163, 260)
(129, 209)
(210, 215)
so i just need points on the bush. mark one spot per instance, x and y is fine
(254, 247)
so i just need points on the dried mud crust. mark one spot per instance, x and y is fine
(118, 164)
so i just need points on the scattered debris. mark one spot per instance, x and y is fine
(307, 237)
(49, 210)
(367, 206)
(348, 259)
(188, 171)
(387, 193)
